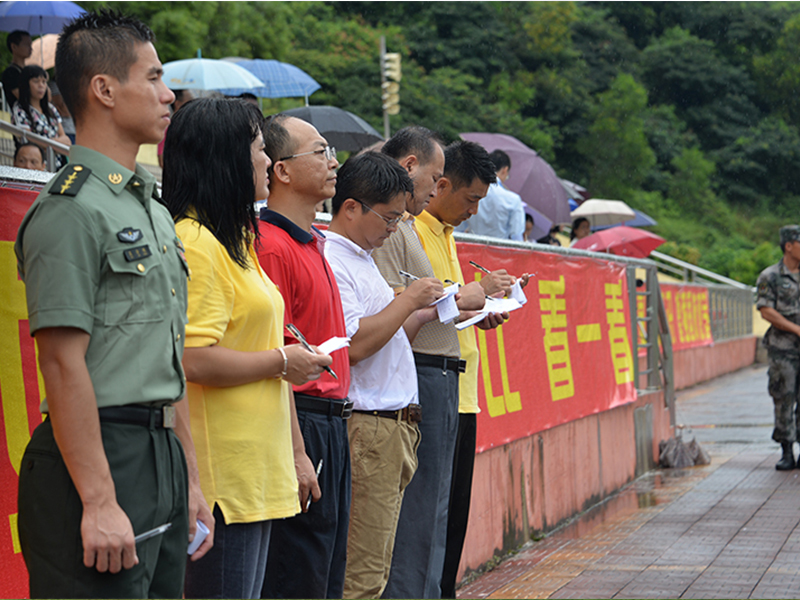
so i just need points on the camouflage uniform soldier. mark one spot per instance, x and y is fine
(779, 304)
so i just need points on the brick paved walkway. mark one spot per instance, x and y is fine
(727, 530)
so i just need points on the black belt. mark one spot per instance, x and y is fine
(324, 406)
(411, 413)
(444, 363)
(138, 414)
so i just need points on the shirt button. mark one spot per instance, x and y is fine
(140, 267)
(165, 249)
(178, 339)
(173, 291)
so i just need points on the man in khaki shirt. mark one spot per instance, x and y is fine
(420, 544)
(105, 282)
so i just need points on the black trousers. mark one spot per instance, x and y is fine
(149, 471)
(460, 496)
(308, 553)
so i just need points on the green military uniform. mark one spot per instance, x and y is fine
(99, 253)
(780, 289)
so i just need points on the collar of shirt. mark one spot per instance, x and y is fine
(277, 219)
(114, 175)
(786, 272)
(434, 224)
(352, 247)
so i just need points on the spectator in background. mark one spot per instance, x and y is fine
(34, 112)
(19, 44)
(551, 238)
(29, 156)
(528, 228)
(580, 229)
(370, 199)
(181, 98)
(501, 213)
(66, 118)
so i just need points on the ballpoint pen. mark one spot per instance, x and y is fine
(409, 275)
(480, 268)
(152, 533)
(319, 470)
(301, 338)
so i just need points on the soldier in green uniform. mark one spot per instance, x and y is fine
(105, 281)
(779, 304)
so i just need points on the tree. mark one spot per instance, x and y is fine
(616, 146)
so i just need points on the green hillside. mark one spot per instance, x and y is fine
(688, 111)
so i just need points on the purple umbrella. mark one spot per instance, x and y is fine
(531, 177)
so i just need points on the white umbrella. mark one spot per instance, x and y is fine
(207, 74)
(603, 212)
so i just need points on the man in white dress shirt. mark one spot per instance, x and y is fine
(501, 213)
(371, 194)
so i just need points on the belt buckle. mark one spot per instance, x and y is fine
(347, 410)
(168, 417)
(414, 413)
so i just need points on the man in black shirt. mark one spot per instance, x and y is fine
(19, 44)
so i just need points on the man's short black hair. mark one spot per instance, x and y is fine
(465, 161)
(371, 178)
(15, 37)
(414, 139)
(104, 42)
(500, 159)
(21, 146)
(277, 141)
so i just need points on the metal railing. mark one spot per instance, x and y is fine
(51, 146)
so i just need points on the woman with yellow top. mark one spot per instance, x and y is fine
(250, 454)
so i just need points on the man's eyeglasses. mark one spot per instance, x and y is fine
(389, 222)
(329, 151)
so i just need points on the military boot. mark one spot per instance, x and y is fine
(786, 463)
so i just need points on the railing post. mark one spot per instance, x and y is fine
(630, 272)
(653, 355)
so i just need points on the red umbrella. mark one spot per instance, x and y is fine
(622, 240)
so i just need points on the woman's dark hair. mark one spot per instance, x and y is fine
(208, 170)
(25, 76)
(371, 178)
(575, 224)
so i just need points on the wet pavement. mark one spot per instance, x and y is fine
(726, 530)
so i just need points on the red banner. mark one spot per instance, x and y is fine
(565, 355)
(20, 391)
(687, 314)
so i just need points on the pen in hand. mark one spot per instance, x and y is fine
(152, 533)
(409, 275)
(480, 268)
(301, 338)
(319, 470)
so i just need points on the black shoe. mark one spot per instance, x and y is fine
(786, 463)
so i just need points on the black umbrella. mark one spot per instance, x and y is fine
(341, 128)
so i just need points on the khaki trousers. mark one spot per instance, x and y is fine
(383, 456)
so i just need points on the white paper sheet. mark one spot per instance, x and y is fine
(333, 344)
(518, 294)
(493, 305)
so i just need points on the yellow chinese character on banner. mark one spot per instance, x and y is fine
(618, 334)
(556, 343)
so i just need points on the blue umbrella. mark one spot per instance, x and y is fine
(38, 17)
(640, 220)
(281, 80)
(207, 74)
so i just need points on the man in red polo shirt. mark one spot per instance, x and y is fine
(307, 552)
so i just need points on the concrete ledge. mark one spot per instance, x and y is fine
(531, 486)
(701, 364)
